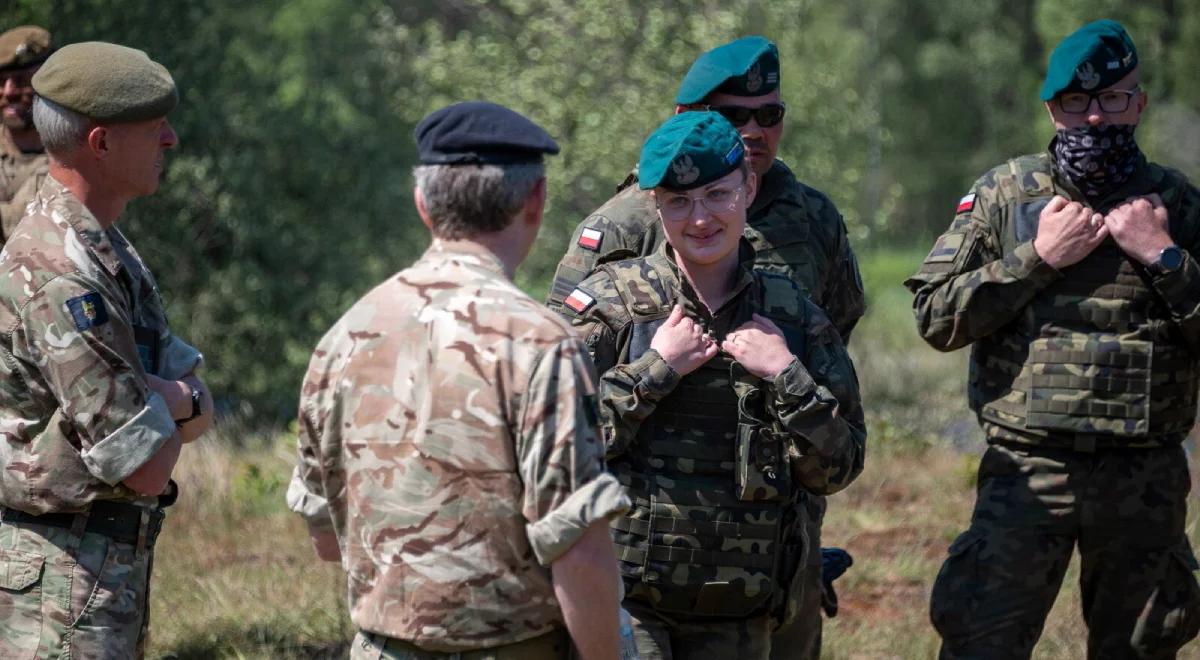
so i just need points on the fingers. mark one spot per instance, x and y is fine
(1056, 204)
(1155, 200)
(676, 315)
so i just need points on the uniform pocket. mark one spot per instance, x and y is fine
(1171, 617)
(21, 603)
(951, 605)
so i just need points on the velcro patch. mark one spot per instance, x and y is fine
(88, 311)
(591, 239)
(966, 204)
(579, 302)
(945, 249)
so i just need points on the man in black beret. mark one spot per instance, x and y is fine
(22, 158)
(448, 450)
(97, 395)
(1072, 273)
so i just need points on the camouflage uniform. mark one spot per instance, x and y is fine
(21, 175)
(796, 231)
(81, 324)
(447, 436)
(1084, 381)
(716, 533)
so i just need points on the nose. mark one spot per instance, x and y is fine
(1095, 115)
(168, 139)
(9, 86)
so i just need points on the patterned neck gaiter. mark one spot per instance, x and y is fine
(1097, 159)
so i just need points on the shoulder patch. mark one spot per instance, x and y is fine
(591, 239)
(966, 204)
(88, 311)
(579, 301)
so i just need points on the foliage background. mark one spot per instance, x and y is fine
(290, 194)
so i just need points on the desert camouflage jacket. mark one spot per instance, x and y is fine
(21, 175)
(795, 230)
(448, 436)
(816, 402)
(81, 324)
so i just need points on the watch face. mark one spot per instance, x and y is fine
(1171, 258)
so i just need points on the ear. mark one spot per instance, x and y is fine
(751, 185)
(535, 204)
(419, 202)
(97, 141)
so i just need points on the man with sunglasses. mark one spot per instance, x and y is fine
(795, 231)
(726, 397)
(23, 161)
(1072, 274)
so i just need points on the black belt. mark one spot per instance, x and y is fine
(119, 521)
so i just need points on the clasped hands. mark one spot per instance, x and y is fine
(758, 345)
(1069, 231)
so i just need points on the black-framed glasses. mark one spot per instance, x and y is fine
(1110, 100)
(764, 115)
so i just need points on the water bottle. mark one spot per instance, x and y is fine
(628, 647)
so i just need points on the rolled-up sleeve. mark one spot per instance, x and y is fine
(306, 491)
(178, 358)
(561, 455)
(77, 331)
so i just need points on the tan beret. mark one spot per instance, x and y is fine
(107, 82)
(23, 46)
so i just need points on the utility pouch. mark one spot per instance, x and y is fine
(760, 471)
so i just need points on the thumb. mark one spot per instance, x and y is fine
(676, 315)
(1056, 204)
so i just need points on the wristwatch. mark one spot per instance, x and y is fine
(197, 395)
(1169, 261)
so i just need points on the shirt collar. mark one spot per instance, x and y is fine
(466, 252)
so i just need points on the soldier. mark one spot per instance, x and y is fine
(96, 395)
(449, 454)
(23, 161)
(794, 229)
(1073, 274)
(719, 448)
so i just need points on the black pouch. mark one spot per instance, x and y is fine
(760, 471)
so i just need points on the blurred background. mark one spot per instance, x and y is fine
(290, 197)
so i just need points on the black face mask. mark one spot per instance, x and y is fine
(1097, 159)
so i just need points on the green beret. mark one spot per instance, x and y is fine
(107, 82)
(23, 46)
(690, 150)
(1093, 57)
(746, 67)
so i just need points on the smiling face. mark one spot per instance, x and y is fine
(704, 224)
(16, 98)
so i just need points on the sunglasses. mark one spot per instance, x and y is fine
(765, 116)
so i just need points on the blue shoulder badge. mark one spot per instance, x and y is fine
(88, 311)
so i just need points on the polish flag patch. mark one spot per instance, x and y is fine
(579, 302)
(590, 239)
(966, 203)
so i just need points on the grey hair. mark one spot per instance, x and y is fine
(465, 200)
(62, 130)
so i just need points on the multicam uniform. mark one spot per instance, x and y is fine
(448, 437)
(795, 231)
(717, 460)
(81, 324)
(21, 175)
(1085, 383)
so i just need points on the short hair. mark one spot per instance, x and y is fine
(466, 200)
(62, 131)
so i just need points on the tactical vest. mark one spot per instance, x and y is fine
(712, 525)
(1094, 354)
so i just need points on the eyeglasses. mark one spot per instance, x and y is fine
(765, 115)
(678, 206)
(1110, 100)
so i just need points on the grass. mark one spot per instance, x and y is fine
(235, 575)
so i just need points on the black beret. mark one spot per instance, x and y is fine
(480, 133)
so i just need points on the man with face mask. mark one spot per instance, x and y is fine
(23, 161)
(1073, 275)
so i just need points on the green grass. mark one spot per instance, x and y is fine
(236, 577)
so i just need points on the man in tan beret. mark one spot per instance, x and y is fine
(97, 396)
(22, 158)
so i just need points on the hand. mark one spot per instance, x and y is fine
(682, 343)
(1139, 226)
(1068, 232)
(760, 347)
